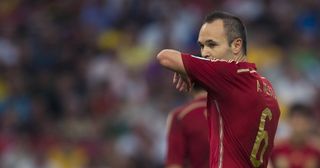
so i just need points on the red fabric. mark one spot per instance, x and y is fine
(236, 102)
(188, 135)
(295, 157)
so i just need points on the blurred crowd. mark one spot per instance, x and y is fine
(80, 87)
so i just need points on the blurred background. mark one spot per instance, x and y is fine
(80, 86)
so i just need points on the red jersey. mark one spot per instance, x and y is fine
(287, 155)
(243, 112)
(188, 142)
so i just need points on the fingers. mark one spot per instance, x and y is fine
(188, 82)
(175, 77)
(183, 86)
(183, 83)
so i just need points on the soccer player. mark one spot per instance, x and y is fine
(188, 144)
(243, 112)
(297, 152)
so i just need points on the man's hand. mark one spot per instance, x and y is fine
(182, 82)
(172, 60)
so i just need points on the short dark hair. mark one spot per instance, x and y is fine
(233, 25)
(300, 109)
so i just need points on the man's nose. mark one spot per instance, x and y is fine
(205, 55)
(205, 52)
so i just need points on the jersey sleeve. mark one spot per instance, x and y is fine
(175, 141)
(213, 75)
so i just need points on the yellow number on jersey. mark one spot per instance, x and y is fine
(261, 136)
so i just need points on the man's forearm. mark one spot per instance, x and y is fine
(172, 60)
(174, 166)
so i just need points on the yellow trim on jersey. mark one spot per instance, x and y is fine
(243, 70)
(191, 107)
(169, 121)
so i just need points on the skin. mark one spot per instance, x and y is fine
(213, 44)
(174, 166)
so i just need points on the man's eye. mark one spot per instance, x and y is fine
(211, 45)
(201, 46)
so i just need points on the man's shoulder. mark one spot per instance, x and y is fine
(182, 111)
(175, 112)
(234, 68)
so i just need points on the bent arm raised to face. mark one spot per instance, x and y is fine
(174, 166)
(172, 60)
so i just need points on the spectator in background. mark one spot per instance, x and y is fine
(296, 151)
(187, 139)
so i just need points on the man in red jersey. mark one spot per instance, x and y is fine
(243, 112)
(188, 144)
(297, 152)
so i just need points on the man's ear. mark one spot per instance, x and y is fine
(236, 46)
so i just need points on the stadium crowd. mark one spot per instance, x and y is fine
(80, 87)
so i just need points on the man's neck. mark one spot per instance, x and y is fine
(240, 58)
(198, 94)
